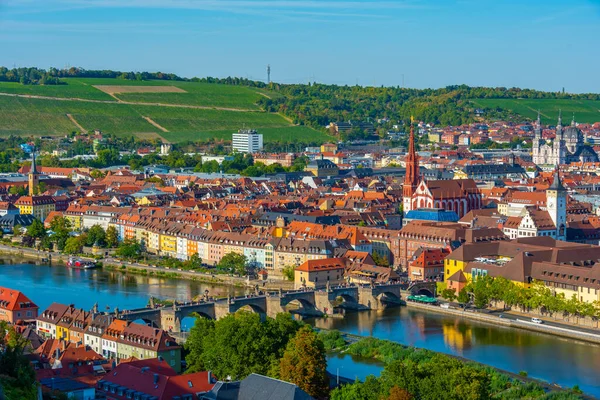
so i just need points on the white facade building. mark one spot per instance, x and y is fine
(247, 141)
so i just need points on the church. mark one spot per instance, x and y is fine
(458, 195)
(568, 146)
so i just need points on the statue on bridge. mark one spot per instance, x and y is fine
(174, 305)
(151, 302)
(328, 286)
(206, 295)
(280, 292)
(228, 298)
(117, 312)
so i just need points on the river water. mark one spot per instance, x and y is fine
(553, 359)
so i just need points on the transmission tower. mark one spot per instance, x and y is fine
(268, 73)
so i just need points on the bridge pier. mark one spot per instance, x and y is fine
(222, 308)
(323, 302)
(169, 320)
(274, 306)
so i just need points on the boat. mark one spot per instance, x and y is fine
(81, 264)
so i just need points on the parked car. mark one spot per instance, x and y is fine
(537, 321)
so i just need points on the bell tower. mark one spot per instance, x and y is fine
(411, 179)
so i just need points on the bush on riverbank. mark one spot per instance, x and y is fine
(332, 340)
(424, 374)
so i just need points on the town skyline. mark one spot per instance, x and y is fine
(425, 44)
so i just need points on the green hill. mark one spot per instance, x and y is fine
(586, 111)
(174, 110)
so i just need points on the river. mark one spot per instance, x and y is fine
(553, 359)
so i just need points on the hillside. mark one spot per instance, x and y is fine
(158, 105)
(173, 110)
(585, 111)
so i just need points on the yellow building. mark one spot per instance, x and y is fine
(168, 245)
(564, 267)
(38, 206)
(319, 273)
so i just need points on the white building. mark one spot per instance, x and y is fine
(247, 141)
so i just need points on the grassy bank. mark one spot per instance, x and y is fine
(425, 374)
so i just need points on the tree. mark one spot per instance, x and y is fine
(239, 344)
(129, 249)
(397, 393)
(233, 262)
(17, 230)
(112, 236)
(288, 272)
(96, 234)
(40, 188)
(463, 296)
(194, 262)
(448, 294)
(18, 190)
(304, 363)
(61, 231)
(36, 229)
(17, 377)
(74, 244)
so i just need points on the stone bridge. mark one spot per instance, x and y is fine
(310, 302)
(426, 288)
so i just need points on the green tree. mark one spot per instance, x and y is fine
(233, 262)
(18, 190)
(17, 378)
(239, 344)
(112, 236)
(288, 272)
(96, 234)
(304, 363)
(463, 296)
(448, 294)
(36, 229)
(17, 230)
(61, 231)
(129, 249)
(74, 244)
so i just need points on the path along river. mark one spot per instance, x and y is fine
(550, 358)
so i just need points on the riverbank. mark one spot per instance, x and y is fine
(570, 332)
(111, 264)
(385, 351)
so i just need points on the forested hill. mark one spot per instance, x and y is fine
(317, 104)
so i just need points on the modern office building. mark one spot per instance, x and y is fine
(247, 141)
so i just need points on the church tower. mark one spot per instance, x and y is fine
(556, 204)
(537, 141)
(559, 148)
(411, 179)
(34, 179)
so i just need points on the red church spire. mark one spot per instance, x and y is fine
(411, 179)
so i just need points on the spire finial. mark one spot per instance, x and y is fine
(559, 117)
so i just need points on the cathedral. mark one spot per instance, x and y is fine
(568, 146)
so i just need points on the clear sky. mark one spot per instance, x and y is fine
(541, 44)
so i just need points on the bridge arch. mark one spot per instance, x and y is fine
(425, 291)
(247, 306)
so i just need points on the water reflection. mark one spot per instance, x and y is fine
(553, 359)
(45, 284)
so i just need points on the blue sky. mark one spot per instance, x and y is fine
(545, 45)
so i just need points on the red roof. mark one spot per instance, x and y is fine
(157, 378)
(14, 300)
(321, 265)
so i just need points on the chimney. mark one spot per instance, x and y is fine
(57, 353)
(210, 379)
(155, 379)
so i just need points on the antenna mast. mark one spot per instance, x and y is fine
(268, 73)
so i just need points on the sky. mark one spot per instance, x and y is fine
(540, 44)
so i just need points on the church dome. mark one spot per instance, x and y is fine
(572, 132)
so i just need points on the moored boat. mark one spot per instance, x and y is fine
(81, 264)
